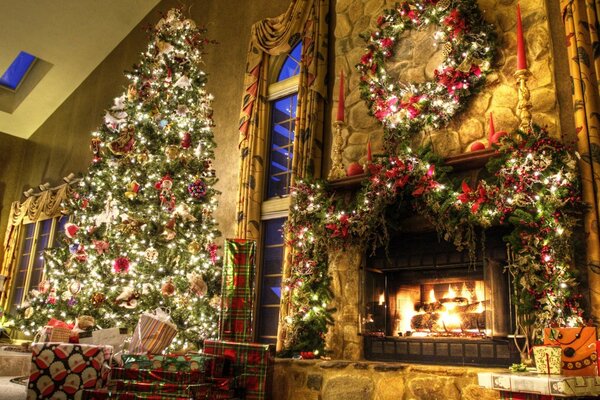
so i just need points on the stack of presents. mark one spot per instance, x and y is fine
(567, 365)
(94, 367)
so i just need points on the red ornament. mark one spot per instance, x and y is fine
(186, 142)
(121, 264)
(71, 230)
(498, 135)
(492, 131)
(197, 189)
(477, 146)
(354, 169)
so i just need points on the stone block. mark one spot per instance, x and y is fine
(505, 96)
(390, 388)
(432, 388)
(541, 73)
(359, 138)
(538, 42)
(342, 26)
(348, 387)
(470, 130)
(505, 119)
(361, 25)
(355, 11)
(314, 382)
(445, 143)
(476, 392)
(543, 100)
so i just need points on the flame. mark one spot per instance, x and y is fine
(450, 294)
(479, 291)
(432, 298)
(480, 308)
(381, 299)
(465, 292)
(451, 320)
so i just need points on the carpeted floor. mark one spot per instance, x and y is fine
(11, 391)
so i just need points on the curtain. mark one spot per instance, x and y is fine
(580, 19)
(305, 19)
(47, 205)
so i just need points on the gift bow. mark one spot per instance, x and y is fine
(56, 323)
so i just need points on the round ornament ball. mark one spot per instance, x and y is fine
(172, 152)
(197, 189)
(194, 247)
(168, 289)
(186, 141)
(85, 322)
(498, 135)
(151, 254)
(477, 146)
(98, 298)
(168, 234)
(121, 265)
(75, 287)
(28, 312)
(354, 169)
(197, 285)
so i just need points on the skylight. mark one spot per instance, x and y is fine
(15, 73)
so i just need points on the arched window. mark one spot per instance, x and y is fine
(283, 103)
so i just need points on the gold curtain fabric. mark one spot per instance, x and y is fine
(305, 19)
(47, 205)
(580, 19)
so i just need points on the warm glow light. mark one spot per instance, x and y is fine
(381, 299)
(432, 298)
(450, 294)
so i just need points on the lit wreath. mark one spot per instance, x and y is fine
(468, 47)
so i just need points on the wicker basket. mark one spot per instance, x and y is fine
(58, 334)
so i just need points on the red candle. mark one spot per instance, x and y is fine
(369, 155)
(521, 58)
(492, 131)
(341, 100)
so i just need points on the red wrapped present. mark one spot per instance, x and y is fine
(63, 370)
(158, 376)
(196, 390)
(237, 290)
(579, 357)
(210, 364)
(252, 365)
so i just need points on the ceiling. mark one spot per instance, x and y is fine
(71, 37)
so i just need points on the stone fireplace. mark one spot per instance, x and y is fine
(424, 301)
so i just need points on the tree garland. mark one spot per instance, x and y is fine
(533, 189)
(468, 45)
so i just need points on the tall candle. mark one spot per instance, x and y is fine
(369, 155)
(341, 100)
(521, 58)
(492, 131)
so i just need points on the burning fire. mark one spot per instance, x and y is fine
(457, 312)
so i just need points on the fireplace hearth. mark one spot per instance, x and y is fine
(424, 301)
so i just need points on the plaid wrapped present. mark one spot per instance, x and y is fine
(209, 364)
(253, 365)
(102, 394)
(196, 390)
(147, 375)
(237, 290)
(63, 370)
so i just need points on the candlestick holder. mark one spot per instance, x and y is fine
(337, 167)
(524, 104)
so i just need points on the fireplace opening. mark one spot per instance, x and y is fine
(425, 301)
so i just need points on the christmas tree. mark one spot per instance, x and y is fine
(142, 232)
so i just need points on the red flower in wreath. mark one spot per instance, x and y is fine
(387, 42)
(456, 22)
(341, 229)
(478, 196)
(426, 183)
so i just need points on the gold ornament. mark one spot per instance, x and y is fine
(75, 287)
(168, 289)
(194, 247)
(172, 152)
(131, 93)
(132, 190)
(446, 50)
(98, 298)
(142, 158)
(443, 4)
(28, 312)
(85, 322)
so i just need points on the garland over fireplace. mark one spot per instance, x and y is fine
(426, 302)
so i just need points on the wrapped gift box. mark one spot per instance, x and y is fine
(237, 290)
(196, 390)
(62, 370)
(252, 365)
(114, 337)
(209, 364)
(548, 359)
(557, 386)
(102, 394)
(146, 375)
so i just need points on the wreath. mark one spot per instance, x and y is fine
(468, 47)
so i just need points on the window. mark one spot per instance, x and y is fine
(15, 73)
(37, 237)
(283, 98)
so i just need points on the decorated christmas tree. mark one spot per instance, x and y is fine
(142, 232)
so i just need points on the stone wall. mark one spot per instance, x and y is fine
(346, 380)
(499, 95)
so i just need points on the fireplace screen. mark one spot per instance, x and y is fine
(423, 293)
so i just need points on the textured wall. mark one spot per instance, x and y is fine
(61, 144)
(413, 63)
